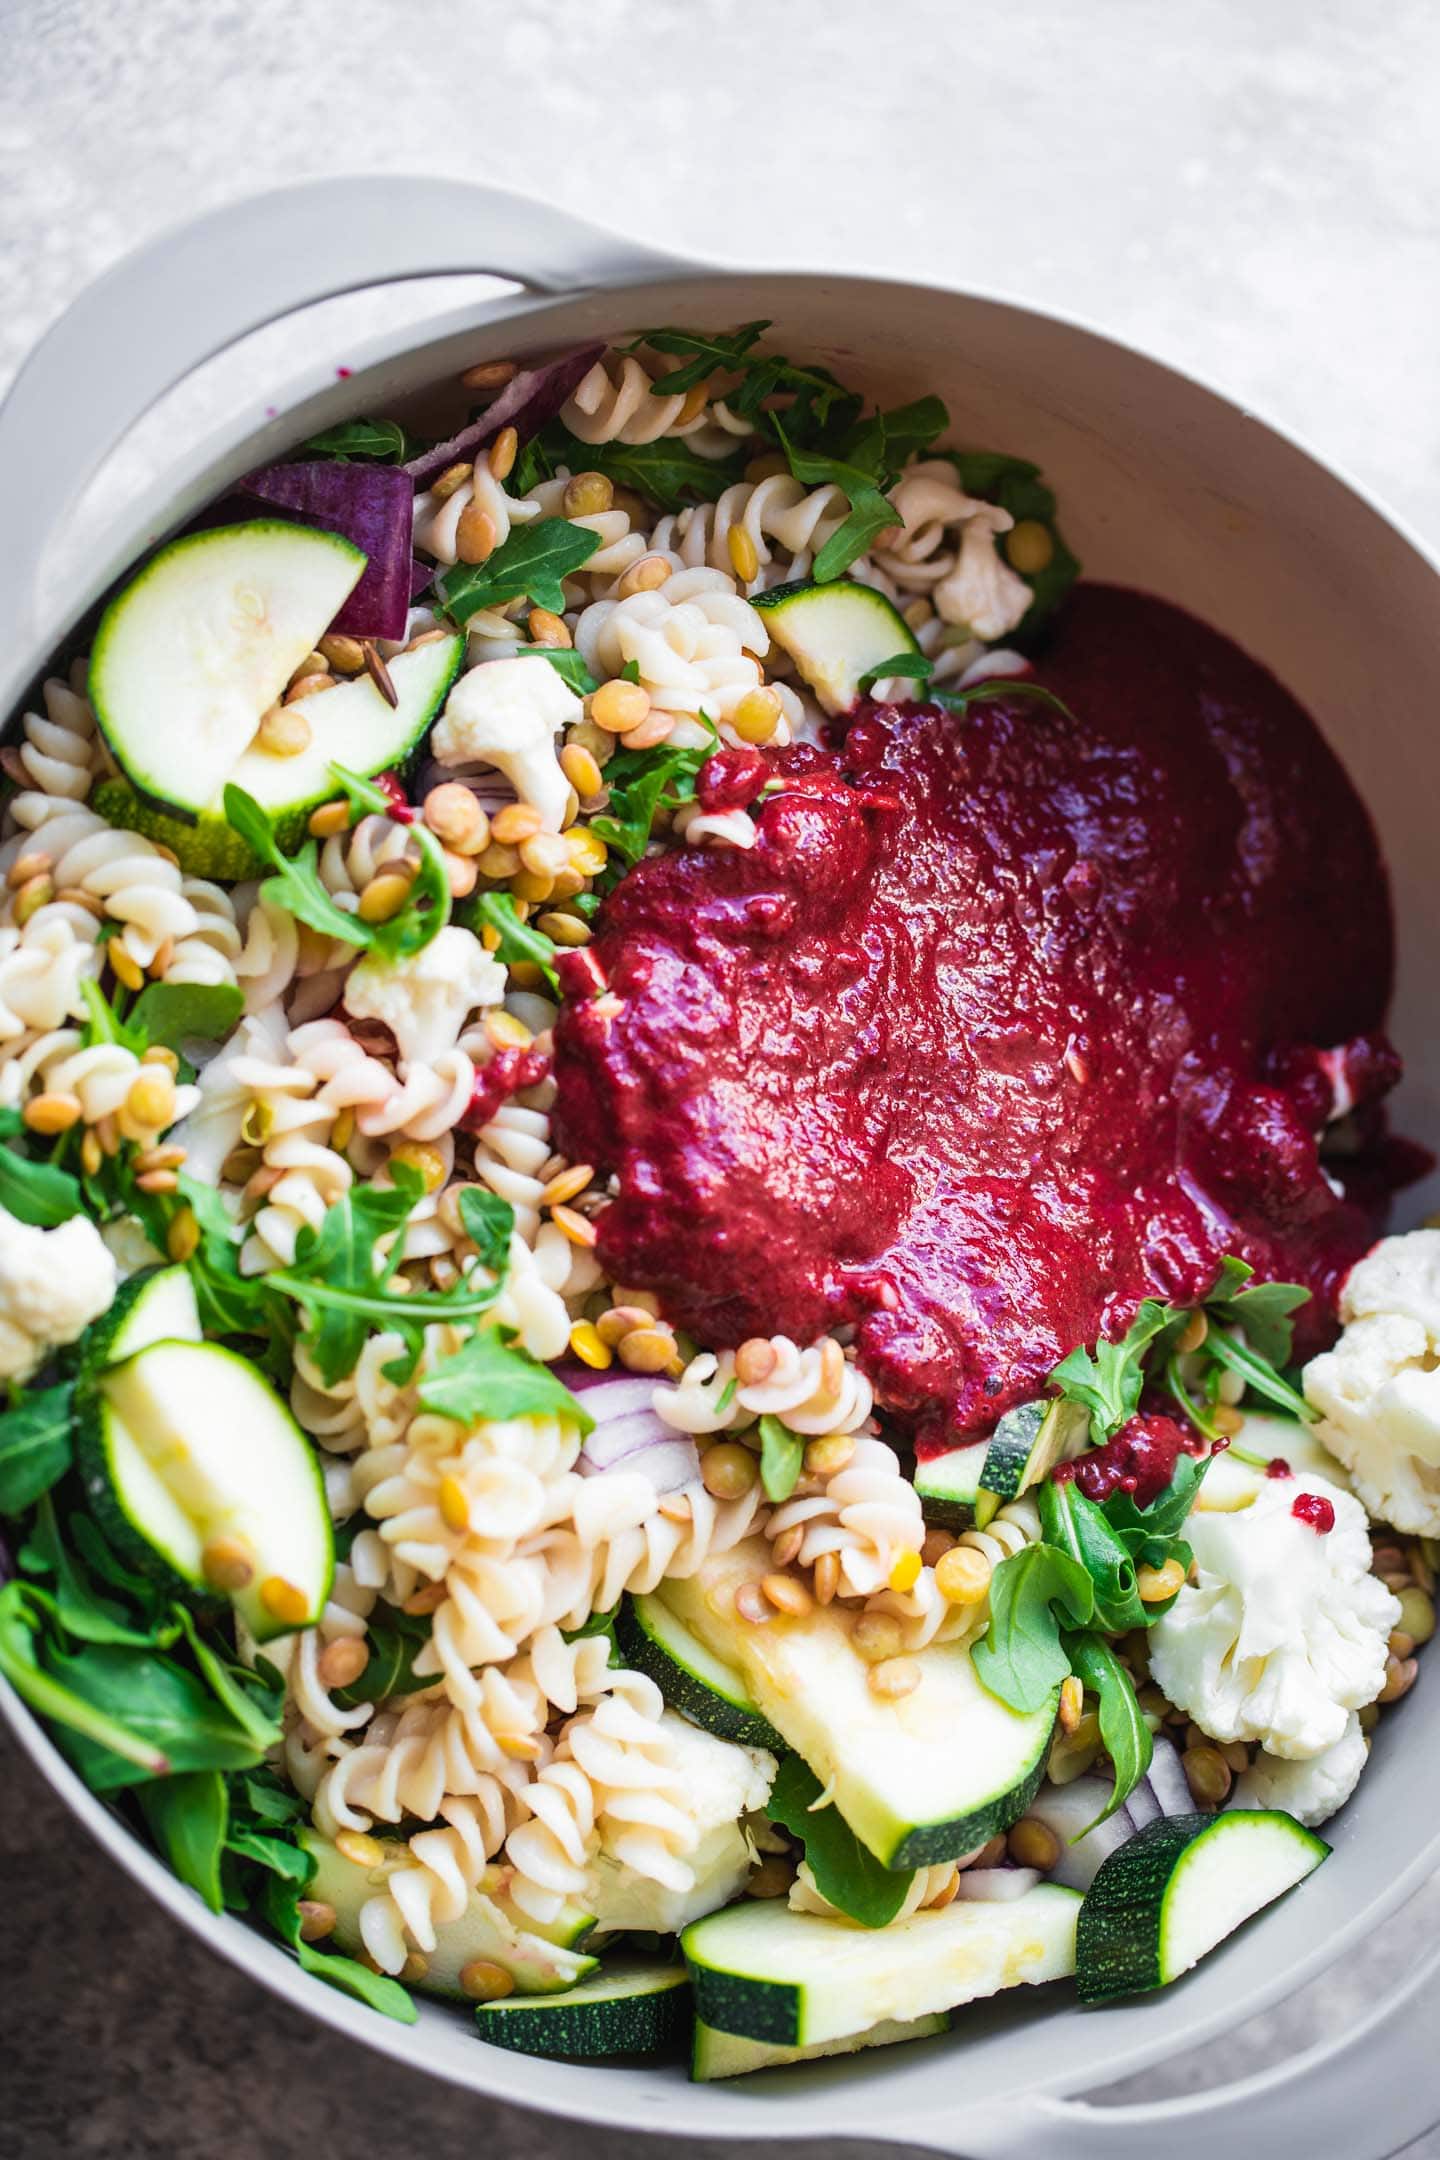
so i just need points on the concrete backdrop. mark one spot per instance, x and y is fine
(1249, 190)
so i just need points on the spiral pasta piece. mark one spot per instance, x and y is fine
(694, 642)
(58, 754)
(867, 1514)
(778, 508)
(613, 403)
(135, 884)
(42, 968)
(437, 519)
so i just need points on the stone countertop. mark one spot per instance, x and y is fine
(1249, 192)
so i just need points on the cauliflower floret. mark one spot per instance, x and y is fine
(1378, 1390)
(1311, 1791)
(507, 713)
(1285, 1630)
(426, 999)
(53, 1283)
(718, 1784)
(982, 591)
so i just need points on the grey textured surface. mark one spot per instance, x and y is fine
(1249, 191)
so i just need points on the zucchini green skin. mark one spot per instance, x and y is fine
(114, 1337)
(648, 2014)
(949, 1485)
(716, 2054)
(1025, 1446)
(639, 1629)
(1120, 1935)
(928, 1844)
(102, 1486)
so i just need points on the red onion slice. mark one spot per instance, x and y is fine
(528, 401)
(995, 1885)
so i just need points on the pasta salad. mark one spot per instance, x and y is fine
(695, 1338)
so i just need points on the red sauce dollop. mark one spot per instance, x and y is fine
(1004, 1023)
(507, 1073)
(1140, 1460)
(1311, 1508)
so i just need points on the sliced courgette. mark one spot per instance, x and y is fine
(725, 2055)
(157, 1305)
(949, 1485)
(352, 725)
(836, 634)
(197, 1470)
(627, 2008)
(910, 1800)
(539, 1959)
(795, 1979)
(712, 1694)
(192, 651)
(1179, 1887)
(1024, 1448)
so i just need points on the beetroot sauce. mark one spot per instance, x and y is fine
(1006, 1022)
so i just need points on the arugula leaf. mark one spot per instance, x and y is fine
(230, 1303)
(382, 439)
(488, 1378)
(339, 1282)
(77, 1606)
(568, 664)
(518, 940)
(266, 1799)
(1262, 1310)
(1109, 1383)
(1072, 1523)
(35, 1192)
(705, 353)
(188, 1817)
(22, 1614)
(890, 439)
(159, 1703)
(667, 472)
(282, 1910)
(641, 784)
(871, 511)
(995, 687)
(427, 910)
(1151, 1535)
(532, 565)
(174, 1013)
(1020, 1658)
(395, 1639)
(296, 886)
(35, 1446)
(781, 1454)
(915, 665)
(1122, 1723)
(845, 1871)
(489, 1223)
(1258, 1374)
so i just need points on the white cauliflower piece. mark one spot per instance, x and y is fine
(426, 998)
(718, 1783)
(982, 591)
(1285, 1631)
(53, 1283)
(507, 713)
(1378, 1390)
(1312, 1791)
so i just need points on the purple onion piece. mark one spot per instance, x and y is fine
(669, 1465)
(371, 505)
(995, 1885)
(1166, 1779)
(527, 402)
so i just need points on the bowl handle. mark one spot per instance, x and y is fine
(1365, 2095)
(198, 287)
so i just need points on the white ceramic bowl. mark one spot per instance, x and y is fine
(1163, 484)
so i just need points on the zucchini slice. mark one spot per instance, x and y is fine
(725, 2055)
(908, 1799)
(626, 2008)
(795, 1980)
(1024, 1448)
(157, 1305)
(351, 725)
(185, 1445)
(835, 633)
(192, 651)
(1179, 1887)
(693, 1680)
(540, 1959)
(949, 1485)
